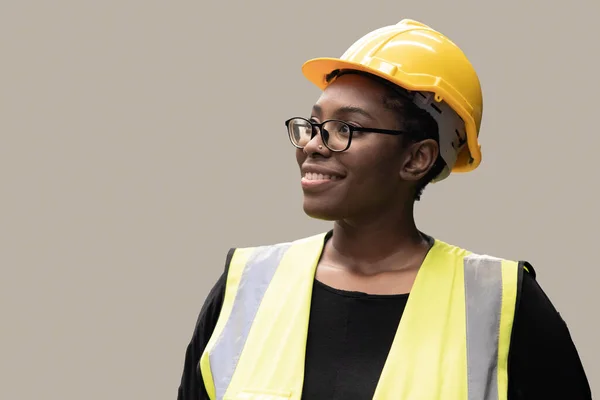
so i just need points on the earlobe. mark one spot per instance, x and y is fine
(418, 160)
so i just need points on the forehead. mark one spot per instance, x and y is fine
(352, 90)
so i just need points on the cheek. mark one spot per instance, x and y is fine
(375, 166)
(374, 180)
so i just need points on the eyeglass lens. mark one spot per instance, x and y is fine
(335, 135)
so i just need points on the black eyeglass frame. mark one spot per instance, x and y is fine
(352, 129)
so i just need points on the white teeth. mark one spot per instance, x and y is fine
(311, 176)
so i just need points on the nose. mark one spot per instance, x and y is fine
(316, 145)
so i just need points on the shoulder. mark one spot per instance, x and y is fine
(542, 349)
(533, 306)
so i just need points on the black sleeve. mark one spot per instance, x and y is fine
(543, 361)
(192, 385)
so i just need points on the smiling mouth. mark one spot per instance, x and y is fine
(311, 176)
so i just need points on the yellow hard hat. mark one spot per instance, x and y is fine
(419, 59)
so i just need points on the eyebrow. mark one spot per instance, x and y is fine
(345, 110)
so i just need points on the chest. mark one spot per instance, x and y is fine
(349, 338)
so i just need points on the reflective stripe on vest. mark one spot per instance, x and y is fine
(452, 341)
(256, 276)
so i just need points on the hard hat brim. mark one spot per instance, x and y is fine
(317, 69)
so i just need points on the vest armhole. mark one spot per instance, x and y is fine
(228, 260)
(528, 267)
(520, 272)
(524, 267)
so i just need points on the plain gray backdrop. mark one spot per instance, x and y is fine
(140, 140)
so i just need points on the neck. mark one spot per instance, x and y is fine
(372, 245)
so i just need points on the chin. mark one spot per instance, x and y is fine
(323, 211)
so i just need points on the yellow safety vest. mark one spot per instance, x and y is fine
(452, 341)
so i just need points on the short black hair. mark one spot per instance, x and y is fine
(418, 123)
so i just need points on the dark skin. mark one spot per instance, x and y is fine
(376, 247)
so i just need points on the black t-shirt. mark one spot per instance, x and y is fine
(350, 334)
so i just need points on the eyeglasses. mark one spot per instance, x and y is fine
(336, 135)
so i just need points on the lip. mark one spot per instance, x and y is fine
(315, 185)
(315, 169)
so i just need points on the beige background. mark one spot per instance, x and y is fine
(142, 139)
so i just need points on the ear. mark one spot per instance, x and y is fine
(418, 158)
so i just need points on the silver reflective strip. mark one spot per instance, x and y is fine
(255, 279)
(483, 295)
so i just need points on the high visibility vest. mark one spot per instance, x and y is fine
(452, 341)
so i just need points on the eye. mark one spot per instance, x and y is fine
(344, 129)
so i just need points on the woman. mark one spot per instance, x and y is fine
(330, 316)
